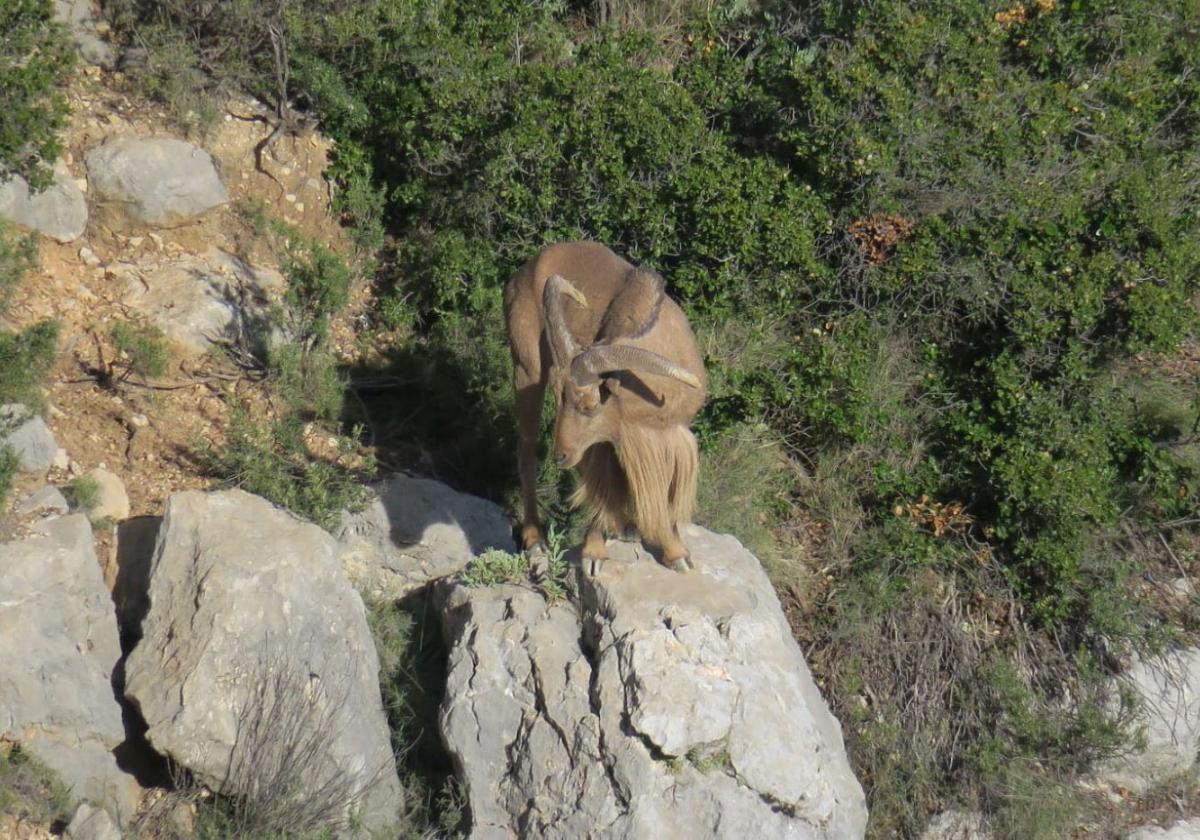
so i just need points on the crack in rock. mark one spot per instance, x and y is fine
(599, 724)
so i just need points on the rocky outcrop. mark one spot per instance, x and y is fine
(204, 299)
(414, 531)
(80, 19)
(28, 436)
(58, 649)
(678, 706)
(1167, 689)
(256, 669)
(59, 211)
(162, 182)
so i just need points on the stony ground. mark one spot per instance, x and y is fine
(148, 435)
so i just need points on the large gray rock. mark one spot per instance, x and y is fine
(415, 531)
(28, 436)
(680, 707)
(256, 669)
(1168, 691)
(59, 211)
(163, 182)
(80, 19)
(204, 299)
(58, 648)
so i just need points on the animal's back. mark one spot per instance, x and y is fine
(589, 266)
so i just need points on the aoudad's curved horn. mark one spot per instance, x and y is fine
(589, 364)
(562, 344)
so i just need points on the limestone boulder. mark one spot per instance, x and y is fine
(414, 531)
(59, 211)
(81, 20)
(42, 501)
(58, 650)
(256, 669)
(163, 182)
(202, 300)
(674, 706)
(28, 436)
(1167, 690)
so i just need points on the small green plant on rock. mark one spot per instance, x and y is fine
(496, 566)
(142, 351)
(83, 494)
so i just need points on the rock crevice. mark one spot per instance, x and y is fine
(669, 706)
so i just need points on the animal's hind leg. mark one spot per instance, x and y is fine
(675, 555)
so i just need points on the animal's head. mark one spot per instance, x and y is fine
(588, 390)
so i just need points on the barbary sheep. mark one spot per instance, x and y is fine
(627, 380)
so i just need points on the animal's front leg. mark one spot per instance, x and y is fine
(595, 551)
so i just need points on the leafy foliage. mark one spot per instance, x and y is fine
(35, 59)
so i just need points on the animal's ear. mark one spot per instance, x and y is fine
(612, 386)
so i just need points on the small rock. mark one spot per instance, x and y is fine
(49, 499)
(89, 257)
(61, 461)
(112, 502)
(290, 198)
(136, 241)
(139, 420)
(28, 436)
(59, 211)
(299, 206)
(91, 823)
(956, 825)
(82, 184)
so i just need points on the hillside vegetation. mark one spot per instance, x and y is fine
(943, 259)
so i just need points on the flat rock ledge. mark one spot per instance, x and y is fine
(674, 706)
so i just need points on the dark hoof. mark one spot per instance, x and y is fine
(592, 566)
(680, 564)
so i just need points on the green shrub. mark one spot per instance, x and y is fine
(35, 60)
(143, 349)
(83, 494)
(28, 789)
(26, 358)
(271, 460)
(496, 566)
